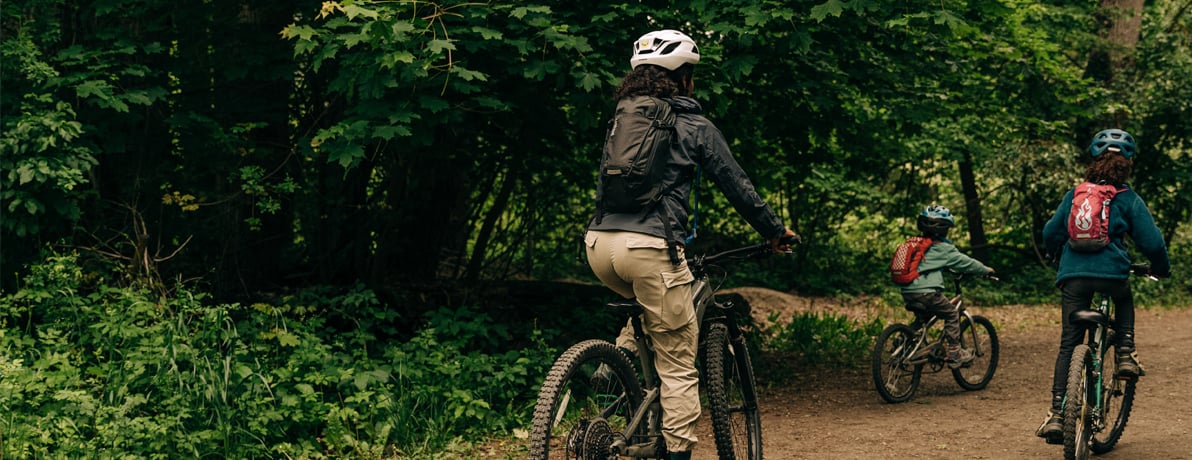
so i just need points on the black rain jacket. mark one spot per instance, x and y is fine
(700, 144)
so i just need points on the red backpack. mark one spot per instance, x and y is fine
(904, 266)
(1088, 220)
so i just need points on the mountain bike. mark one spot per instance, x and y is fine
(1097, 403)
(595, 405)
(902, 353)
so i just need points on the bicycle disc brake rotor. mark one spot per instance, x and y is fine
(590, 440)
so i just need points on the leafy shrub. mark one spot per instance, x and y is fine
(88, 367)
(824, 339)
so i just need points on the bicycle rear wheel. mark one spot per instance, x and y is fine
(1079, 404)
(895, 379)
(1117, 398)
(980, 338)
(732, 396)
(579, 412)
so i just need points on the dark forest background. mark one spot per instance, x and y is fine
(382, 166)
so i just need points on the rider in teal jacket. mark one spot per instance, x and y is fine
(1084, 274)
(1128, 215)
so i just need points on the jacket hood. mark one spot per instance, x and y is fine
(684, 104)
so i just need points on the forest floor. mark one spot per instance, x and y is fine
(837, 414)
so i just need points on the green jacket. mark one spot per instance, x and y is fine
(941, 256)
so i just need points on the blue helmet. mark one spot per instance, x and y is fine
(935, 221)
(1113, 138)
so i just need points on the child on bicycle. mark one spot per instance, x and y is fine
(1082, 274)
(924, 295)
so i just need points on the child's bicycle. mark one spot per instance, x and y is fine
(902, 352)
(1097, 402)
(585, 414)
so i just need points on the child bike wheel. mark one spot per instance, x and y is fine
(980, 338)
(1117, 398)
(1079, 404)
(732, 396)
(895, 379)
(579, 413)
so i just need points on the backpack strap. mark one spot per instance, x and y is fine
(695, 211)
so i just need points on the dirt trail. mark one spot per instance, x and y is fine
(838, 415)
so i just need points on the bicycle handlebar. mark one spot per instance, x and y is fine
(753, 250)
(1143, 270)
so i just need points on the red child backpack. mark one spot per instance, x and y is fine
(1088, 220)
(904, 266)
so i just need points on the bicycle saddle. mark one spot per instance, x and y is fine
(1088, 318)
(625, 306)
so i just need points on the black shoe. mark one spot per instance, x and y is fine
(1052, 428)
(1127, 366)
(680, 455)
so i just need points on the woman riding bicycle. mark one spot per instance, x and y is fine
(1084, 273)
(640, 254)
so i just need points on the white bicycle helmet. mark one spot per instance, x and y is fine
(668, 49)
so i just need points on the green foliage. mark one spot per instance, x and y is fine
(816, 339)
(86, 366)
(43, 166)
(454, 382)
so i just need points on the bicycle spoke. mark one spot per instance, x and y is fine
(894, 376)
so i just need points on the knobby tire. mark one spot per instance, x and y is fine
(895, 380)
(577, 416)
(732, 396)
(1078, 404)
(1117, 398)
(977, 374)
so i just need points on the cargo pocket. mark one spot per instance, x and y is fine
(645, 242)
(677, 308)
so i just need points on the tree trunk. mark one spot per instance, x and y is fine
(1121, 26)
(972, 207)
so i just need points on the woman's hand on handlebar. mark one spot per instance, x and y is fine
(782, 244)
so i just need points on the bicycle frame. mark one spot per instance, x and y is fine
(703, 297)
(903, 352)
(922, 341)
(1094, 416)
(1097, 323)
(650, 403)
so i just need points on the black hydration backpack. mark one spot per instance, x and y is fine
(635, 155)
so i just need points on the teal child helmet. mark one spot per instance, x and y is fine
(1112, 138)
(935, 221)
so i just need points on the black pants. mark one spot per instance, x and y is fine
(1077, 294)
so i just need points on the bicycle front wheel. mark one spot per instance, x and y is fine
(980, 338)
(588, 398)
(1117, 397)
(895, 379)
(732, 396)
(1079, 404)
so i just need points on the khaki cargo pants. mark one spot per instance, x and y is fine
(638, 265)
